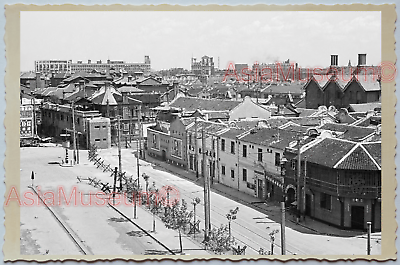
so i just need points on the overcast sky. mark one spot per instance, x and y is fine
(172, 38)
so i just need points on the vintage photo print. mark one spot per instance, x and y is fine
(200, 132)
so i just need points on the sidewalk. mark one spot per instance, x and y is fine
(271, 208)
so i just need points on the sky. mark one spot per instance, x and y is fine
(171, 39)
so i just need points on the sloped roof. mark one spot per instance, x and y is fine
(328, 152)
(106, 96)
(232, 133)
(274, 137)
(129, 89)
(375, 150)
(358, 159)
(364, 107)
(350, 132)
(191, 104)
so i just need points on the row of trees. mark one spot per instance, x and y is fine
(176, 215)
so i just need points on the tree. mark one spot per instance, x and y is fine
(220, 240)
(177, 218)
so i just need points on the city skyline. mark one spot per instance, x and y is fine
(171, 39)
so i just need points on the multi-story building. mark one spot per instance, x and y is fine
(338, 182)
(99, 132)
(57, 120)
(48, 66)
(204, 67)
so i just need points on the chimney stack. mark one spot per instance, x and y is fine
(362, 59)
(129, 78)
(334, 60)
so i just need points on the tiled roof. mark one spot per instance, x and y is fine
(131, 89)
(306, 112)
(232, 133)
(374, 149)
(366, 82)
(350, 132)
(270, 137)
(328, 152)
(191, 104)
(365, 106)
(295, 89)
(358, 159)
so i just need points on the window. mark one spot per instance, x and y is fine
(244, 150)
(223, 170)
(326, 201)
(293, 164)
(177, 148)
(104, 139)
(232, 173)
(277, 159)
(244, 174)
(232, 147)
(260, 155)
(97, 140)
(97, 127)
(223, 145)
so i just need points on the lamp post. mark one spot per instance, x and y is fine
(195, 202)
(231, 216)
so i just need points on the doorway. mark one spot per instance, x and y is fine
(308, 204)
(164, 155)
(357, 217)
(260, 188)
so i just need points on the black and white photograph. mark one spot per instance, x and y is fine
(201, 133)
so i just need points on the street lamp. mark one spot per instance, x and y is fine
(195, 201)
(231, 216)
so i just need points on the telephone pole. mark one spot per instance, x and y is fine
(206, 189)
(283, 237)
(196, 164)
(73, 131)
(119, 145)
(298, 180)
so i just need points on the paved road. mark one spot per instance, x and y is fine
(100, 229)
(251, 227)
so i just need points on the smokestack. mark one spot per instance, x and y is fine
(334, 60)
(362, 59)
(129, 78)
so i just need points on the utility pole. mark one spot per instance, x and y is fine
(34, 118)
(298, 179)
(115, 183)
(138, 165)
(304, 190)
(283, 238)
(369, 238)
(196, 148)
(206, 189)
(73, 131)
(140, 132)
(119, 145)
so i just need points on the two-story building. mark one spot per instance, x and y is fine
(339, 182)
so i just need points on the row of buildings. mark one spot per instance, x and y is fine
(253, 149)
(49, 66)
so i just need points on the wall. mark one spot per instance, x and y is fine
(249, 109)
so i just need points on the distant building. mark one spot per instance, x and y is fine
(204, 67)
(48, 66)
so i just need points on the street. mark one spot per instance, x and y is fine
(93, 225)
